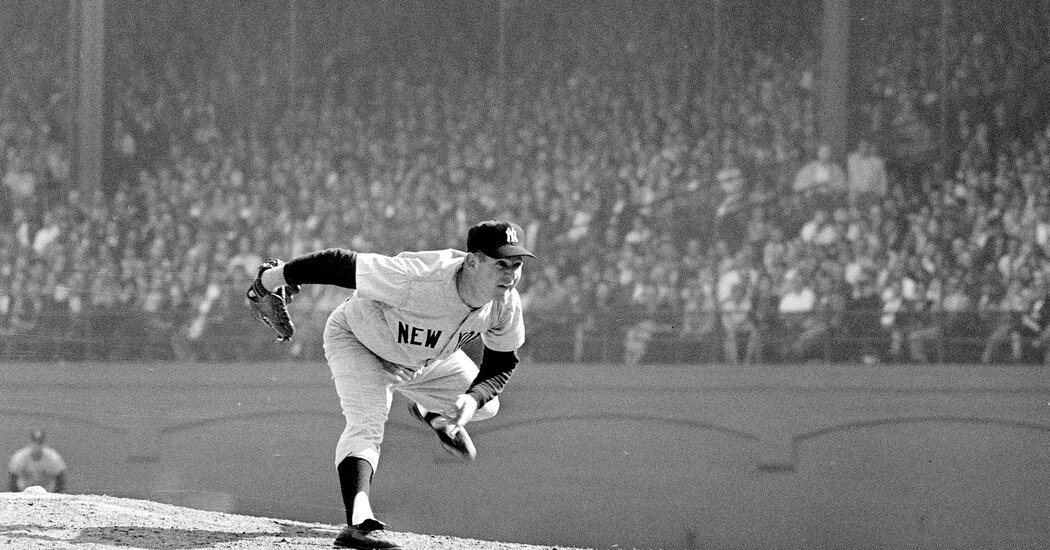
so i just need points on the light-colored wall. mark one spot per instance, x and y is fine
(814, 456)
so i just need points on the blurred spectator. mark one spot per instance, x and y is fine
(821, 179)
(953, 324)
(863, 336)
(734, 209)
(700, 323)
(1035, 327)
(738, 327)
(765, 302)
(920, 320)
(823, 327)
(795, 311)
(867, 176)
(20, 183)
(819, 229)
(1004, 342)
(651, 314)
(893, 319)
(589, 151)
(37, 464)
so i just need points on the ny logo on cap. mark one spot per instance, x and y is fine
(512, 235)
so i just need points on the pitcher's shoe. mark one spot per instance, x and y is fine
(367, 535)
(454, 439)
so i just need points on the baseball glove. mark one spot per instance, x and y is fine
(272, 307)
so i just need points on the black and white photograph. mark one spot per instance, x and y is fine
(525, 274)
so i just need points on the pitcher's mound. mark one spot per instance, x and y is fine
(39, 520)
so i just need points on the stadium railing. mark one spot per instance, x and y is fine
(615, 336)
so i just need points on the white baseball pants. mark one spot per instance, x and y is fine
(366, 390)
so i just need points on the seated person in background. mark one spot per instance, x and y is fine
(821, 180)
(1035, 327)
(860, 323)
(795, 314)
(37, 465)
(1007, 323)
(868, 180)
(737, 325)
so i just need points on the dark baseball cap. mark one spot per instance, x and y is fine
(497, 239)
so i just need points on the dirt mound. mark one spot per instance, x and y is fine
(39, 520)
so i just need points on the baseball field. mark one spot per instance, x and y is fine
(594, 456)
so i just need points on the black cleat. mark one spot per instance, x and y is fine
(455, 440)
(367, 535)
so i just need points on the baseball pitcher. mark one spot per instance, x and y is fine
(402, 329)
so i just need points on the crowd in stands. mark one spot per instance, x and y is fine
(677, 216)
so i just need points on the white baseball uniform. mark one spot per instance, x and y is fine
(406, 312)
(42, 470)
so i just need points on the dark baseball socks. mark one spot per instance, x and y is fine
(355, 481)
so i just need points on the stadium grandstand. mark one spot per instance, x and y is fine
(740, 181)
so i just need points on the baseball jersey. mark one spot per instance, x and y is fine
(42, 472)
(407, 310)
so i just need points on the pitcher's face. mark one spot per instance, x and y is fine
(498, 276)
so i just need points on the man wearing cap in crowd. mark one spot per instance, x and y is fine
(403, 328)
(37, 465)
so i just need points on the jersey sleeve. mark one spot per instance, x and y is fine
(332, 266)
(508, 332)
(494, 372)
